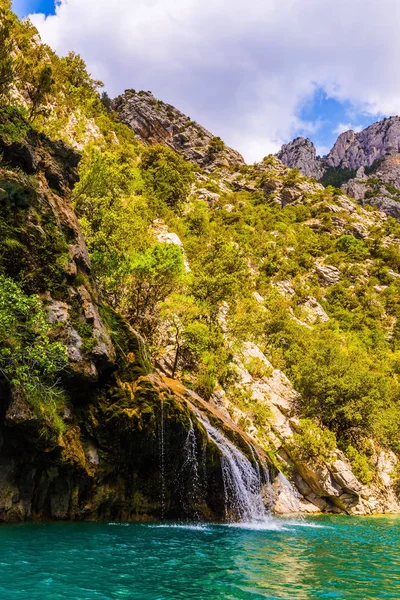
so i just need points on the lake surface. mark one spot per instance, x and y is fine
(320, 557)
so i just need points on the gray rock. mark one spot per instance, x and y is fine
(301, 154)
(345, 478)
(153, 121)
(327, 274)
(355, 150)
(350, 151)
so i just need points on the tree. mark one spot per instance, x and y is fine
(6, 47)
(220, 273)
(151, 277)
(340, 383)
(75, 73)
(106, 101)
(114, 216)
(40, 86)
(180, 312)
(166, 174)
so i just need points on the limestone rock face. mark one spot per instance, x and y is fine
(301, 154)
(153, 121)
(372, 153)
(345, 152)
(381, 188)
(354, 150)
(328, 275)
(351, 150)
(315, 486)
(55, 167)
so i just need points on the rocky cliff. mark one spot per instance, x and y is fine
(154, 121)
(365, 163)
(188, 341)
(117, 448)
(301, 154)
(355, 150)
(350, 151)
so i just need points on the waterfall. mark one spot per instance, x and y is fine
(162, 459)
(242, 482)
(192, 491)
(191, 463)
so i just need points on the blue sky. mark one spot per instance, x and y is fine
(257, 75)
(25, 7)
(332, 118)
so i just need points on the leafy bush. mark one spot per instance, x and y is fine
(313, 443)
(360, 465)
(13, 125)
(29, 360)
(257, 368)
(216, 145)
(354, 249)
(166, 174)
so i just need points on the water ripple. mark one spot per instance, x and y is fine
(315, 558)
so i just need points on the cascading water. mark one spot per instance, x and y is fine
(242, 482)
(190, 472)
(256, 462)
(191, 464)
(162, 459)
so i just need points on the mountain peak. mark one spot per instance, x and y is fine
(154, 121)
(374, 150)
(301, 154)
(350, 151)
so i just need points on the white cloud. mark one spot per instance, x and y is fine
(243, 70)
(342, 127)
(322, 150)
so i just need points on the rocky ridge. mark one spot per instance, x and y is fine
(350, 151)
(153, 121)
(301, 154)
(366, 164)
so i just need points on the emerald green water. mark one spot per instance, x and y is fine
(326, 557)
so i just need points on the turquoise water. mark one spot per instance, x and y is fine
(325, 557)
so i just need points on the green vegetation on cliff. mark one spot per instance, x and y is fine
(198, 262)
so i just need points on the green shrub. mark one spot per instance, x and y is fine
(313, 443)
(336, 176)
(257, 368)
(360, 465)
(166, 174)
(30, 361)
(354, 248)
(13, 125)
(216, 145)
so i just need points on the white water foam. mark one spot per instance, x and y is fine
(189, 526)
(242, 482)
(270, 523)
(266, 524)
